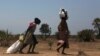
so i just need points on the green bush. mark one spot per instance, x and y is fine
(86, 35)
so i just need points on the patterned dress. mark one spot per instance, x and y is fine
(63, 32)
(28, 38)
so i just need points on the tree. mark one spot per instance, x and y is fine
(45, 30)
(96, 24)
(86, 35)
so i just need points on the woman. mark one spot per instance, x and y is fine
(29, 37)
(63, 34)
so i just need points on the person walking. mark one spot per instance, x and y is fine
(29, 37)
(63, 32)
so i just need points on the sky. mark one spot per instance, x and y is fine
(15, 15)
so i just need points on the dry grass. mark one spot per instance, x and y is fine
(87, 48)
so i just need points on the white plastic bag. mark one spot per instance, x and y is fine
(14, 47)
(62, 14)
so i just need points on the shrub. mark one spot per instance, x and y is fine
(86, 35)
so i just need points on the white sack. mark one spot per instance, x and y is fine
(14, 47)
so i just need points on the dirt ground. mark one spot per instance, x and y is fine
(85, 49)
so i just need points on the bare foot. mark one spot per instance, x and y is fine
(21, 52)
(35, 52)
(64, 53)
(32, 52)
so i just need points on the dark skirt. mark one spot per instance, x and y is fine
(64, 37)
(66, 44)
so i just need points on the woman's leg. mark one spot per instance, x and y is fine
(29, 50)
(33, 47)
(60, 45)
(63, 50)
(34, 43)
(23, 46)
